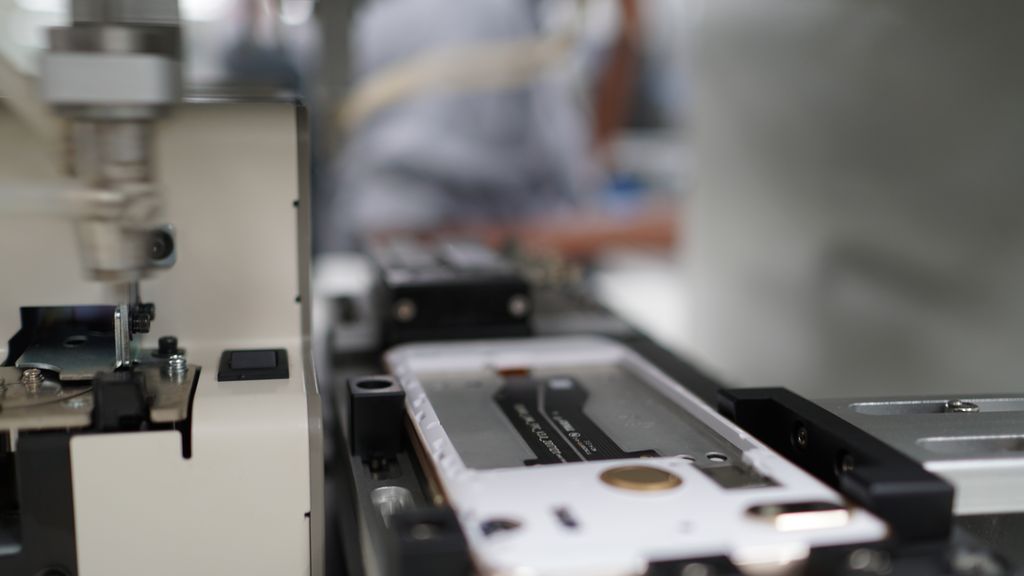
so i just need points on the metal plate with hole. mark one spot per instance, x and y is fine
(75, 354)
(61, 406)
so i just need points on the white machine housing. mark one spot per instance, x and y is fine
(249, 500)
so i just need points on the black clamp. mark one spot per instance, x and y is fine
(120, 401)
(376, 417)
(429, 542)
(917, 504)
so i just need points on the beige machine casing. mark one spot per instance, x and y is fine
(249, 499)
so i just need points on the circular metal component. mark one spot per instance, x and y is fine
(518, 306)
(960, 406)
(177, 364)
(716, 457)
(32, 379)
(390, 500)
(405, 310)
(162, 245)
(641, 478)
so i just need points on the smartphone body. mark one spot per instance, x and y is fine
(576, 456)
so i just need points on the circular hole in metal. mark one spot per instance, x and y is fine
(717, 457)
(373, 384)
(75, 341)
(687, 458)
(496, 525)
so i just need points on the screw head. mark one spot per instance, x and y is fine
(961, 407)
(32, 379)
(518, 306)
(801, 437)
(405, 310)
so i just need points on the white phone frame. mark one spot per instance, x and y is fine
(619, 532)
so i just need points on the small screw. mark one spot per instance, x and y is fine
(405, 310)
(518, 306)
(32, 379)
(177, 365)
(959, 406)
(801, 437)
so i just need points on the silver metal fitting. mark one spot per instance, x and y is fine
(177, 365)
(32, 379)
(960, 406)
(518, 306)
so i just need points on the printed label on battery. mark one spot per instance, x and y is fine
(548, 414)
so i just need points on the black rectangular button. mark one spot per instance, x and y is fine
(253, 359)
(263, 364)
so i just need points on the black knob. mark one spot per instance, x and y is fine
(167, 346)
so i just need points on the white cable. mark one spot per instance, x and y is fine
(480, 67)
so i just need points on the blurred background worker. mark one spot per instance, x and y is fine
(490, 118)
